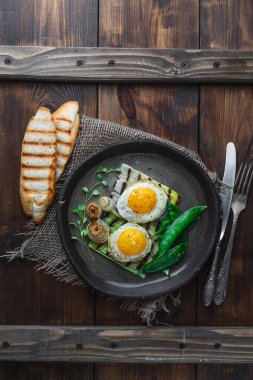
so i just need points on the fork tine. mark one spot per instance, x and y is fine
(239, 178)
(245, 179)
(250, 180)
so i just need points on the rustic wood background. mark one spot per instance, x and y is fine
(203, 118)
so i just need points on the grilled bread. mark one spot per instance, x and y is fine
(67, 122)
(38, 165)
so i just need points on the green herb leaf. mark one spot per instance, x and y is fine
(104, 170)
(74, 224)
(80, 241)
(84, 219)
(105, 183)
(84, 232)
(100, 176)
(78, 222)
(81, 207)
(85, 189)
(75, 211)
(96, 192)
(118, 170)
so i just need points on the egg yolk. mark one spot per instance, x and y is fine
(131, 242)
(142, 200)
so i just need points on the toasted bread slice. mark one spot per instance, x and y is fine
(67, 122)
(38, 165)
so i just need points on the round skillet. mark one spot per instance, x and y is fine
(166, 165)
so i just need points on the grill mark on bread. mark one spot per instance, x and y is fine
(67, 131)
(27, 143)
(35, 132)
(128, 174)
(39, 155)
(36, 143)
(52, 166)
(61, 155)
(36, 192)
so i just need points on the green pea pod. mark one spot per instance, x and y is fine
(172, 213)
(165, 261)
(183, 238)
(177, 227)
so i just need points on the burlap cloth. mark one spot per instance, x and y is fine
(43, 244)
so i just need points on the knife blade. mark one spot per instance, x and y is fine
(226, 199)
(229, 181)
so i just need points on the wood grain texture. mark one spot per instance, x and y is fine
(126, 344)
(27, 296)
(149, 23)
(226, 115)
(162, 110)
(43, 23)
(225, 371)
(126, 65)
(136, 371)
(226, 24)
(45, 371)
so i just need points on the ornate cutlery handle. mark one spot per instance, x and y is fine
(223, 276)
(208, 291)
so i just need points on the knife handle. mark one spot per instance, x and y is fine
(223, 276)
(208, 291)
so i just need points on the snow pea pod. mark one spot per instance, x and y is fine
(177, 227)
(172, 213)
(165, 261)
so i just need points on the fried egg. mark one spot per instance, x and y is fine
(142, 202)
(130, 242)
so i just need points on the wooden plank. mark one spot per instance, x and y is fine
(143, 371)
(124, 65)
(226, 115)
(167, 111)
(45, 371)
(27, 296)
(35, 22)
(225, 371)
(126, 344)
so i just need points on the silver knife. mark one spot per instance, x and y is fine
(226, 199)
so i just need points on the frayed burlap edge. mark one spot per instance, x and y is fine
(93, 135)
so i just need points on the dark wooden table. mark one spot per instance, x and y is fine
(203, 118)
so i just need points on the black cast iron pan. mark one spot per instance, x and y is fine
(169, 166)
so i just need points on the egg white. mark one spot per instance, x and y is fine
(127, 213)
(120, 256)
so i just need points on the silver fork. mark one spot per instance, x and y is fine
(242, 186)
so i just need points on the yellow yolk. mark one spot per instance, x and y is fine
(142, 200)
(131, 242)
